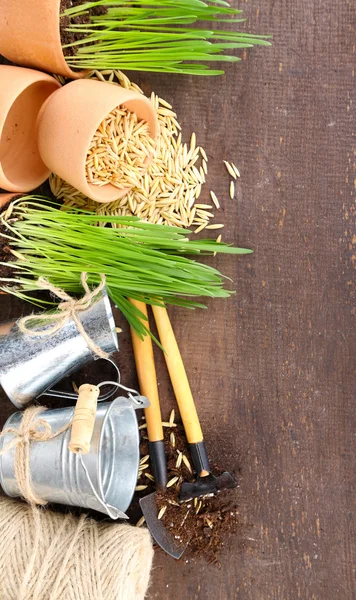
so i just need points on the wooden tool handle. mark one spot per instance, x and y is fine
(178, 376)
(146, 372)
(84, 419)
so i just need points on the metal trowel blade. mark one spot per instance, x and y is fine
(162, 536)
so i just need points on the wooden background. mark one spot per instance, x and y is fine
(272, 369)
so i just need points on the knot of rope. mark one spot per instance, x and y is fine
(69, 308)
(30, 429)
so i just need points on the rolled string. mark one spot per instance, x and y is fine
(49, 556)
(30, 429)
(69, 308)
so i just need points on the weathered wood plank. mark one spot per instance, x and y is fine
(271, 369)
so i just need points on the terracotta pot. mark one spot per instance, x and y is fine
(22, 94)
(68, 121)
(30, 36)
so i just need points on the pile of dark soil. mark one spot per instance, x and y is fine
(204, 524)
(68, 37)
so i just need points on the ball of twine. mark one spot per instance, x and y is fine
(49, 556)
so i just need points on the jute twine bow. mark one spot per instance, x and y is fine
(69, 308)
(30, 429)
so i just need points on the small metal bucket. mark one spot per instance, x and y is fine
(102, 480)
(31, 365)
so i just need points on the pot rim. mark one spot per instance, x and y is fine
(97, 193)
(98, 102)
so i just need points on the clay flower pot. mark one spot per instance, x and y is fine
(30, 35)
(68, 122)
(22, 94)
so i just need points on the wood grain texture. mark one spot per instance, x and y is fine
(272, 369)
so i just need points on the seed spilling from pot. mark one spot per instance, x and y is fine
(119, 150)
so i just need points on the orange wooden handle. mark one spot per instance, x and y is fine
(146, 372)
(178, 376)
(84, 419)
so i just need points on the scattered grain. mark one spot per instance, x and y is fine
(144, 459)
(232, 190)
(161, 512)
(218, 240)
(203, 153)
(214, 199)
(172, 482)
(140, 488)
(172, 439)
(215, 226)
(230, 169)
(187, 463)
(171, 417)
(236, 170)
(140, 522)
(209, 523)
(201, 227)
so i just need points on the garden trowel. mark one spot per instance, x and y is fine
(146, 372)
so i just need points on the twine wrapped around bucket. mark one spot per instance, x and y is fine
(49, 556)
(32, 428)
(69, 308)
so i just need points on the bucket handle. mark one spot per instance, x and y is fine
(114, 513)
(54, 393)
(137, 402)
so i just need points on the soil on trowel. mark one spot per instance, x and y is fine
(68, 37)
(205, 525)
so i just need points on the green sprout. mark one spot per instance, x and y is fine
(160, 35)
(140, 260)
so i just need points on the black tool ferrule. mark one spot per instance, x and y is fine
(159, 463)
(199, 457)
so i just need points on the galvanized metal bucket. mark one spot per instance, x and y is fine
(102, 480)
(31, 365)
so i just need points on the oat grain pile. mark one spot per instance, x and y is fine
(170, 188)
(118, 150)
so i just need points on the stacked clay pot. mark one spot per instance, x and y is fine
(22, 94)
(68, 122)
(30, 35)
(46, 128)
